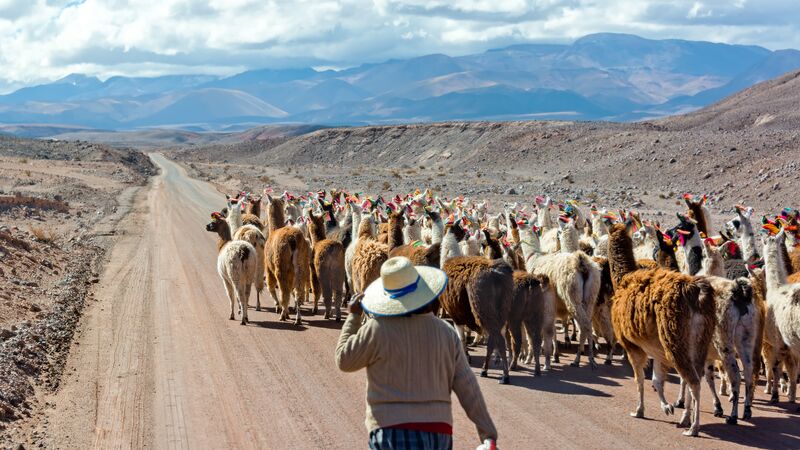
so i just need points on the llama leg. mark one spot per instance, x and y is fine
(709, 375)
(723, 379)
(272, 283)
(515, 330)
(243, 292)
(298, 300)
(337, 300)
(730, 370)
(574, 335)
(610, 355)
(231, 297)
(638, 359)
(749, 385)
(694, 391)
(774, 368)
(258, 300)
(791, 369)
(556, 359)
(659, 375)
(548, 332)
(585, 337)
(462, 335)
(490, 343)
(502, 344)
(680, 402)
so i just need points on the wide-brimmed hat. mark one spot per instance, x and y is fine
(403, 288)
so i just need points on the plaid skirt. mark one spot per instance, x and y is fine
(398, 439)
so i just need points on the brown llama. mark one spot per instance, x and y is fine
(327, 267)
(665, 315)
(368, 258)
(532, 305)
(478, 296)
(287, 261)
(236, 265)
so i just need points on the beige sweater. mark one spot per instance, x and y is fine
(413, 364)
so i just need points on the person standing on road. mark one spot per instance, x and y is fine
(413, 360)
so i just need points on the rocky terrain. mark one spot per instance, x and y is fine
(742, 150)
(59, 203)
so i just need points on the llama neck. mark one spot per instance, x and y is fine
(774, 269)
(620, 254)
(545, 220)
(529, 243)
(365, 229)
(569, 240)
(276, 217)
(355, 217)
(693, 252)
(395, 233)
(254, 209)
(234, 218)
(449, 248)
(316, 232)
(412, 233)
(747, 241)
(713, 264)
(437, 228)
(699, 214)
(224, 235)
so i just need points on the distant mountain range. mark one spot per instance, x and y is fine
(598, 77)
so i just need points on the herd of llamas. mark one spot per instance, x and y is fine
(686, 298)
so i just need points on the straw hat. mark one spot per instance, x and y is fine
(403, 288)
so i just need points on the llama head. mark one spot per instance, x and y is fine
(687, 226)
(455, 230)
(217, 224)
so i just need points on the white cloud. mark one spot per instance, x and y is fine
(42, 40)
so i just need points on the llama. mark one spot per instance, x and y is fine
(712, 264)
(412, 232)
(327, 268)
(737, 327)
(236, 265)
(576, 281)
(532, 305)
(256, 238)
(782, 326)
(478, 296)
(601, 316)
(350, 251)
(287, 261)
(664, 315)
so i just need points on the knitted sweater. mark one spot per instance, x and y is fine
(413, 364)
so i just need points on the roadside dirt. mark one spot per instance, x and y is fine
(157, 364)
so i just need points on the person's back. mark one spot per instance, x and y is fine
(414, 361)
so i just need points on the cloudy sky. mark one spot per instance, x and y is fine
(42, 40)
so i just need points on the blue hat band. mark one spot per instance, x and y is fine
(403, 291)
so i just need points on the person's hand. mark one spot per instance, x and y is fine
(355, 305)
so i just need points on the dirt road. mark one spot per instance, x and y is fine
(159, 365)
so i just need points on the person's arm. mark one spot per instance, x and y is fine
(466, 387)
(356, 347)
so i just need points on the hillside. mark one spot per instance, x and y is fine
(644, 165)
(603, 76)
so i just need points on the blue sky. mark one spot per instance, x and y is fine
(42, 40)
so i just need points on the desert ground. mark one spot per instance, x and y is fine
(113, 324)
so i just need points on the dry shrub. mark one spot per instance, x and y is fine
(9, 202)
(44, 234)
